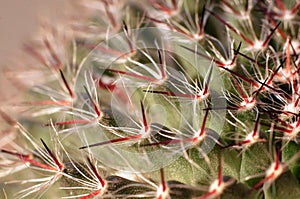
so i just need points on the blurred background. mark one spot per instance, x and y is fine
(19, 19)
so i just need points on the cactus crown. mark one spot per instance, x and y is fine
(159, 99)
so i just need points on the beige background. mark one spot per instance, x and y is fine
(18, 20)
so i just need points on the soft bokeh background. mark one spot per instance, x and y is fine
(19, 19)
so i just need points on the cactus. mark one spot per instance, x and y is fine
(158, 99)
